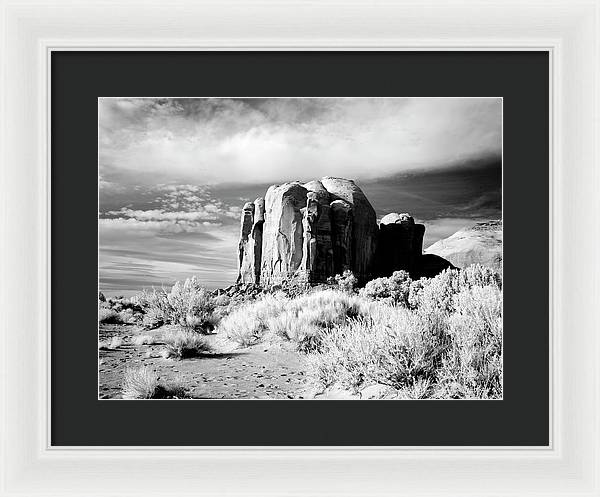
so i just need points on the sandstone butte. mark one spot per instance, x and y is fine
(315, 230)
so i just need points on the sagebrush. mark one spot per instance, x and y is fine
(182, 344)
(187, 304)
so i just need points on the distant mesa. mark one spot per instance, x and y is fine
(312, 231)
(478, 244)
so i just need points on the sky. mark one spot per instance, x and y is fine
(174, 173)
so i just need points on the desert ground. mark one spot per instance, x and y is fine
(393, 338)
(257, 372)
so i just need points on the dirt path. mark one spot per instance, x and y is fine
(258, 372)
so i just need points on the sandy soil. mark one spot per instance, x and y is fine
(259, 372)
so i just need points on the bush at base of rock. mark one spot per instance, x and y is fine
(187, 304)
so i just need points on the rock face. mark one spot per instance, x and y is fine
(310, 232)
(307, 231)
(317, 262)
(479, 244)
(283, 234)
(364, 224)
(341, 224)
(400, 244)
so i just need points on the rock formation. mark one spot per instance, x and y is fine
(479, 244)
(400, 244)
(310, 232)
(316, 230)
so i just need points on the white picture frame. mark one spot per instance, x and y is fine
(569, 30)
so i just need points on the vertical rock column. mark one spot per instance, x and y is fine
(244, 266)
(364, 224)
(341, 220)
(317, 202)
(250, 245)
(256, 239)
(310, 218)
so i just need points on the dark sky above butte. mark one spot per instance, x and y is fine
(174, 173)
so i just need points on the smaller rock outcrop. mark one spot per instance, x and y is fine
(400, 244)
(478, 244)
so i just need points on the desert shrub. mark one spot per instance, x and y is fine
(472, 367)
(143, 340)
(393, 290)
(392, 347)
(183, 344)
(444, 341)
(187, 304)
(247, 324)
(142, 383)
(108, 316)
(153, 318)
(114, 343)
(126, 316)
(191, 304)
(439, 292)
(478, 275)
(346, 281)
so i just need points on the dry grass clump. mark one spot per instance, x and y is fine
(114, 343)
(183, 344)
(142, 383)
(187, 304)
(143, 340)
(108, 316)
(247, 324)
(302, 319)
(118, 310)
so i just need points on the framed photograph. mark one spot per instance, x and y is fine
(337, 249)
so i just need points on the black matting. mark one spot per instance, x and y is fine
(78, 418)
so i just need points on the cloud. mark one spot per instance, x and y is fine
(214, 141)
(207, 213)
